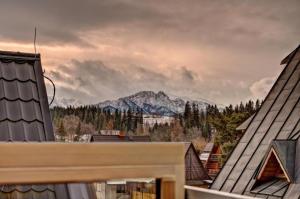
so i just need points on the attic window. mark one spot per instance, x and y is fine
(272, 169)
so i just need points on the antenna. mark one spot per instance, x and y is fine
(34, 40)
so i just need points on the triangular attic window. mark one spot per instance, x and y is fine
(272, 169)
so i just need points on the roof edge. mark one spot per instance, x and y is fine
(19, 55)
(288, 57)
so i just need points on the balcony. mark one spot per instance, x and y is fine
(30, 163)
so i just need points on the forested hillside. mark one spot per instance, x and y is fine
(194, 124)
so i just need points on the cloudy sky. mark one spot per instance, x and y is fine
(225, 51)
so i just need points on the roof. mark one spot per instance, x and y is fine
(287, 58)
(117, 138)
(195, 173)
(275, 188)
(208, 147)
(25, 116)
(278, 118)
(286, 153)
(245, 124)
(187, 145)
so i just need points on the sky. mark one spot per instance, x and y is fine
(225, 51)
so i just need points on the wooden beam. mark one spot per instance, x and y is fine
(22, 163)
(272, 151)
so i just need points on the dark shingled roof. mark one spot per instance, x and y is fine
(25, 116)
(195, 173)
(278, 118)
(118, 138)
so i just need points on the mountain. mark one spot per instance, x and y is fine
(64, 102)
(151, 103)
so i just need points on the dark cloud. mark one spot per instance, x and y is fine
(98, 81)
(66, 21)
(92, 81)
(187, 74)
(211, 22)
(225, 45)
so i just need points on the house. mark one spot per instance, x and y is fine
(210, 158)
(25, 117)
(266, 161)
(110, 132)
(127, 188)
(119, 138)
(151, 120)
(195, 173)
(124, 187)
(204, 155)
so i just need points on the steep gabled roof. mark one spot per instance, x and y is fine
(287, 58)
(195, 173)
(208, 147)
(25, 116)
(285, 151)
(245, 124)
(278, 118)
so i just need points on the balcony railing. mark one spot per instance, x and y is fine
(23, 163)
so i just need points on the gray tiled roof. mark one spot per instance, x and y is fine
(278, 118)
(286, 152)
(245, 124)
(25, 116)
(275, 188)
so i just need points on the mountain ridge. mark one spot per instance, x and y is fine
(151, 103)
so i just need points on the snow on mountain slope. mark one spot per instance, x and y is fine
(151, 103)
(64, 102)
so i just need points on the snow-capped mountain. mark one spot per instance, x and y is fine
(151, 103)
(64, 102)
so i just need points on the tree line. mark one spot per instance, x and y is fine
(96, 118)
(194, 123)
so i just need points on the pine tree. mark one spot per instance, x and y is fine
(129, 120)
(187, 115)
(78, 129)
(196, 117)
(257, 105)
(61, 130)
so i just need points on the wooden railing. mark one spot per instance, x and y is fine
(63, 163)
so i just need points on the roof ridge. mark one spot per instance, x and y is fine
(19, 54)
(23, 120)
(19, 80)
(19, 99)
